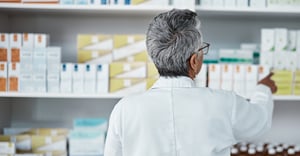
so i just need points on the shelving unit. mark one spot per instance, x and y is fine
(105, 96)
(222, 27)
(82, 9)
(254, 12)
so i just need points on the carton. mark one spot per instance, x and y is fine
(22, 142)
(125, 86)
(48, 143)
(283, 80)
(217, 3)
(53, 85)
(86, 124)
(39, 80)
(267, 40)
(53, 59)
(94, 48)
(128, 70)
(26, 82)
(214, 76)
(239, 77)
(297, 83)
(90, 79)
(28, 40)
(66, 77)
(78, 78)
(257, 3)
(39, 60)
(14, 55)
(51, 153)
(15, 40)
(227, 77)
(251, 79)
(4, 40)
(86, 143)
(292, 40)
(7, 148)
(41, 40)
(229, 3)
(263, 71)
(242, 3)
(3, 76)
(26, 60)
(281, 39)
(130, 48)
(13, 77)
(267, 59)
(102, 78)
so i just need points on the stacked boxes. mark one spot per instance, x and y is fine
(7, 148)
(284, 81)
(88, 137)
(94, 48)
(239, 78)
(201, 78)
(38, 141)
(227, 77)
(251, 79)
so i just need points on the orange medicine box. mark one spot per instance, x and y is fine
(15, 40)
(4, 39)
(14, 55)
(13, 76)
(3, 76)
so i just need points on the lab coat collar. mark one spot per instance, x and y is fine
(174, 82)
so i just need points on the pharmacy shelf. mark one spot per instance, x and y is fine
(286, 98)
(60, 95)
(80, 9)
(252, 12)
(104, 96)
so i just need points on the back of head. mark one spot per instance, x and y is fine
(172, 38)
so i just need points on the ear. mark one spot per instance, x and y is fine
(194, 62)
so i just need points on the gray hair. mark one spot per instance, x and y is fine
(172, 38)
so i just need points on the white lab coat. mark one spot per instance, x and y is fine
(175, 118)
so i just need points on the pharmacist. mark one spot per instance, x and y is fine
(175, 118)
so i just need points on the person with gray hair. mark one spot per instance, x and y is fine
(176, 118)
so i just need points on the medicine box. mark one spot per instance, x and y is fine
(26, 82)
(39, 60)
(48, 143)
(239, 77)
(53, 59)
(94, 48)
(39, 79)
(52, 153)
(3, 76)
(4, 40)
(227, 77)
(214, 76)
(251, 79)
(7, 148)
(86, 143)
(53, 85)
(130, 48)
(267, 40)
(281, 39)
(90, 79)
(283, 80)
(28, 40)
(217, 3)
(66, 77)
(267, 58)
(86, 124)
(263, 71)
(14, 77)
(125, 86)
(26, 60)
(78, 78)
(22, 142)
(15, 40)
(102, 78)
(41, 40)
(127, 70)
(201, 77)
(242, 3)
(297, 83)
(292, 40)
